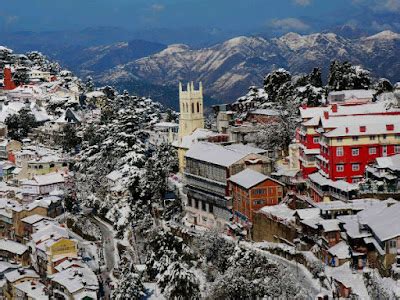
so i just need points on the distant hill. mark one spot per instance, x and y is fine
(227, 69)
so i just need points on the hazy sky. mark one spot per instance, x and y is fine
(44, 15)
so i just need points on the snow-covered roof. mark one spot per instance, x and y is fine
(33, 219)
(389, 162)
(349, 279)
(352, 227)
(370, 129)
(197, 135)
(75, 279)
(95, 94)
(34, 289)
(340, 250)
(358, 120)
(48, 179)
(5, 265)
(265, 112)
(308, 213)
(66, 264)
(246, 149)
(20, 274)
(385, 223)
(49, 231)
(281, 211)
(330, 225)
(350, 94)
(215, 154)
(12, 247)
(339, 184)
(166, 125)
(249, 178)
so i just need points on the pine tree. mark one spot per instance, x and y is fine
(129, 286)
(274, 81)
(178, 282)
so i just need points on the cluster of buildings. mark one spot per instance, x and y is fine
(334, 194)
(39, 257)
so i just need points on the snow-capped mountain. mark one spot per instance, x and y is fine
(228, 68)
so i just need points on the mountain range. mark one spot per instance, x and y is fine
(227, 69)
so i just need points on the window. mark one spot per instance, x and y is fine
(384, 136)
(192, 108)
(203, 206)
(339, 168)
(397, 149)
(51, 165)
(196, 204)
(355, 152)
(355, 167)
(198, 107)
(397, 136)
(210, 208)
(392, 244)
(339, 139)
(355, 138)
(339, 151)
(258, 202)
(189, 201)
(355, 180)
(372, 137)
(316, 140)
(372, 150)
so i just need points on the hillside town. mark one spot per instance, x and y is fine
(107, 195)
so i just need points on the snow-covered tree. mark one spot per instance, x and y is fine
(215, 249)
(89, 84)
(274, 81)
(129, 285)
(253, 276)
(344, 76)
(178, 282)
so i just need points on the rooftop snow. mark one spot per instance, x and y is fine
(280, 211)
(17, 275)
(75, 279)
(389, 162)
(249, 178)
(215, 154)
(12, 247)
(340, 250)
(385, 223)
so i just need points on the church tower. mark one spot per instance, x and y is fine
(191, 109)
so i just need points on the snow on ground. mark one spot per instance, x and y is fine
(305, 276)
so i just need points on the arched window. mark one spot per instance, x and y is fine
(187, 108)
(198, 107)
(192, 108)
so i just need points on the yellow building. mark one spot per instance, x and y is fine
(191, 109)
(191, 118)
(59, 251)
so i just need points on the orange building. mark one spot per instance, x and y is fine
(250, 191)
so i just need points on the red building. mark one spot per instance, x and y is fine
(8, 83)
(250, 191)
(341, 140)
(349, 144)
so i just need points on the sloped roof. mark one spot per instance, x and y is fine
(340, 250)
(385, 223)
(249, 178)
(13, 247)
(214, 154)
